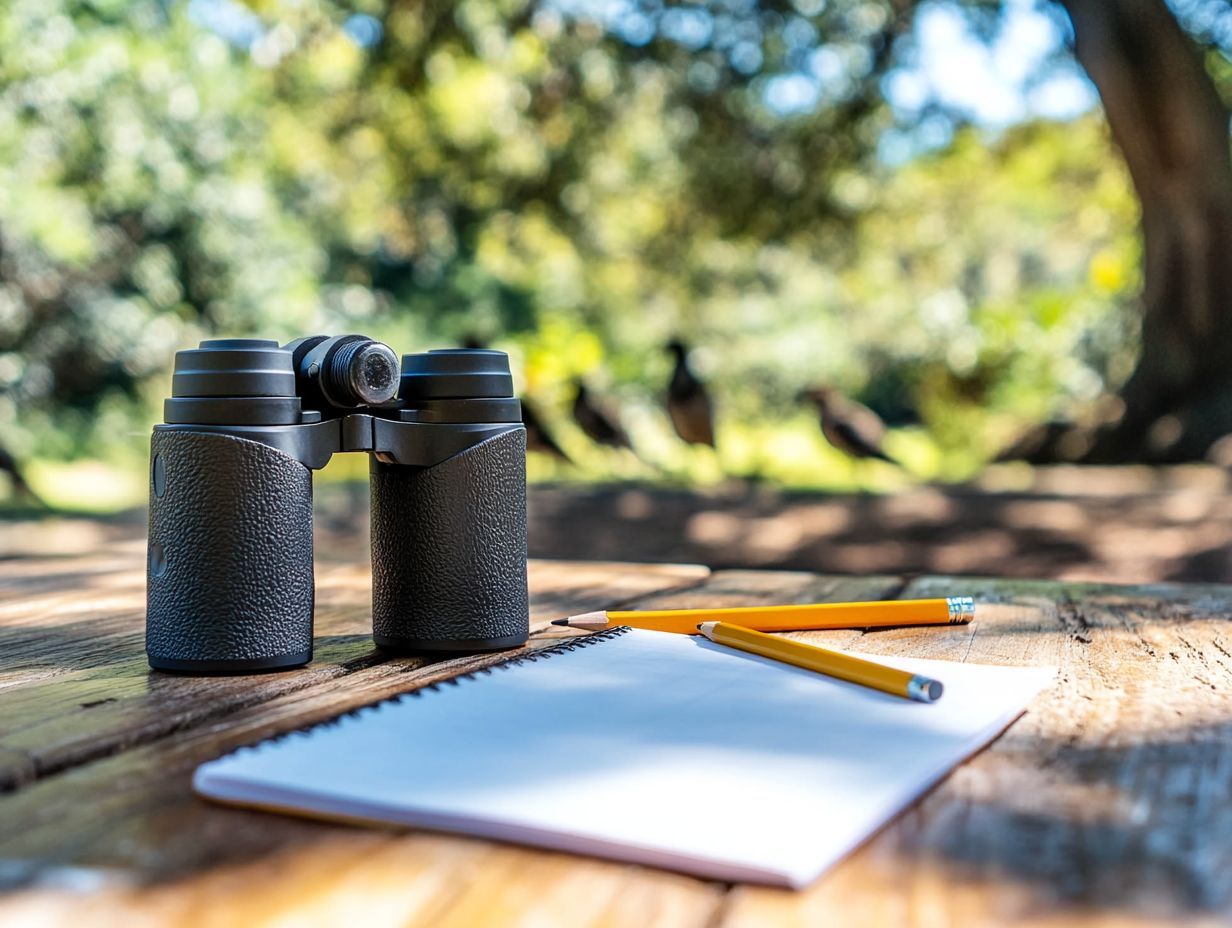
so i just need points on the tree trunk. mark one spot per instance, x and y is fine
(1172, 129)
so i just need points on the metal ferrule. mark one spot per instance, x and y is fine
(962, 609)
(924, 689)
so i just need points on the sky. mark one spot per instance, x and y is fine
(1016, 77)
(997, 84)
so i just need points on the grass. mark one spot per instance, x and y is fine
(791, 454)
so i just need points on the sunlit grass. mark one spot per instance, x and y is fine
(790, 454)
(93, 487)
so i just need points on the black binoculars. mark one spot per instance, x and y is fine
(229, 573)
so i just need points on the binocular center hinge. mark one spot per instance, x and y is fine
(358, 433)
(413, 444)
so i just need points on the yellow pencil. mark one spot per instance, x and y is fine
(823, 660)
(956, 610)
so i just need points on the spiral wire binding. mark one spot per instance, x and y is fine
(563, 646)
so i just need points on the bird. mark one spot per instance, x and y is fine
(688, 400)
(851, 427)
(1062, 439)
(601, 426)
(538, 438)
(1037, 445)
(9, 465)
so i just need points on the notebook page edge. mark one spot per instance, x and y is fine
(211, 781)
(907, 799)
(313, 805)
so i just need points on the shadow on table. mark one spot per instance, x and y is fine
(1142, 829)
(1109, 524)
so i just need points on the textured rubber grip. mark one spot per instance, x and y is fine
(229, 572)
(449, 550)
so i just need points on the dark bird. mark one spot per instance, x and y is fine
(20, 488)
(538, 438)
(850, 427)
(1034, 445)
(688, 400)
(601, 426)
(1059, 440)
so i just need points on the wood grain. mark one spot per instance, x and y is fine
(76, 685)
(1107, 804)
(142, 804)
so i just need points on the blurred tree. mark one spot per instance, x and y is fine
(580, 180)
(136, 212)
(1171, 126)
(764, 177)
(1166, 116)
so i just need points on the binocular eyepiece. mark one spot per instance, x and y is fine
(229, 581)
(340, 373)
(346, 371)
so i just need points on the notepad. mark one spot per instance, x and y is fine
(665, 750)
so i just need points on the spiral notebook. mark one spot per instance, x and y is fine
(665, 750)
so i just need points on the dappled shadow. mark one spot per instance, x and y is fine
(85, 693)
(1077, 821)
(924, 530)
(1080, 819)
(51, 533)
(1209, 564)
(1140, 827)
(1120, 525)
(1114, 828)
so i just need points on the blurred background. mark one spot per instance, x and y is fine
(852, 286)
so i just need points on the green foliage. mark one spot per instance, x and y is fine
(997, 280)
(570, 189)
(137, 212)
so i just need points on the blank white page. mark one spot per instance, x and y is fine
(662, 749)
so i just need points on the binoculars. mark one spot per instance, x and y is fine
(229, 571)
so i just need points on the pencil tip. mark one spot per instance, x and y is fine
(560, 621)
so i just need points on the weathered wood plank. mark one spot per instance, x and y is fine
(140, 809)
(79, 687)
(145, 768)
(373, 878)
(83, 612)
(1106, 804)
(126, 810)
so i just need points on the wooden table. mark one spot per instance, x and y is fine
(1110, 802)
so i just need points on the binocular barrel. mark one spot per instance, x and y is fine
(449, 550)
(230, 572)
(229, 579)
